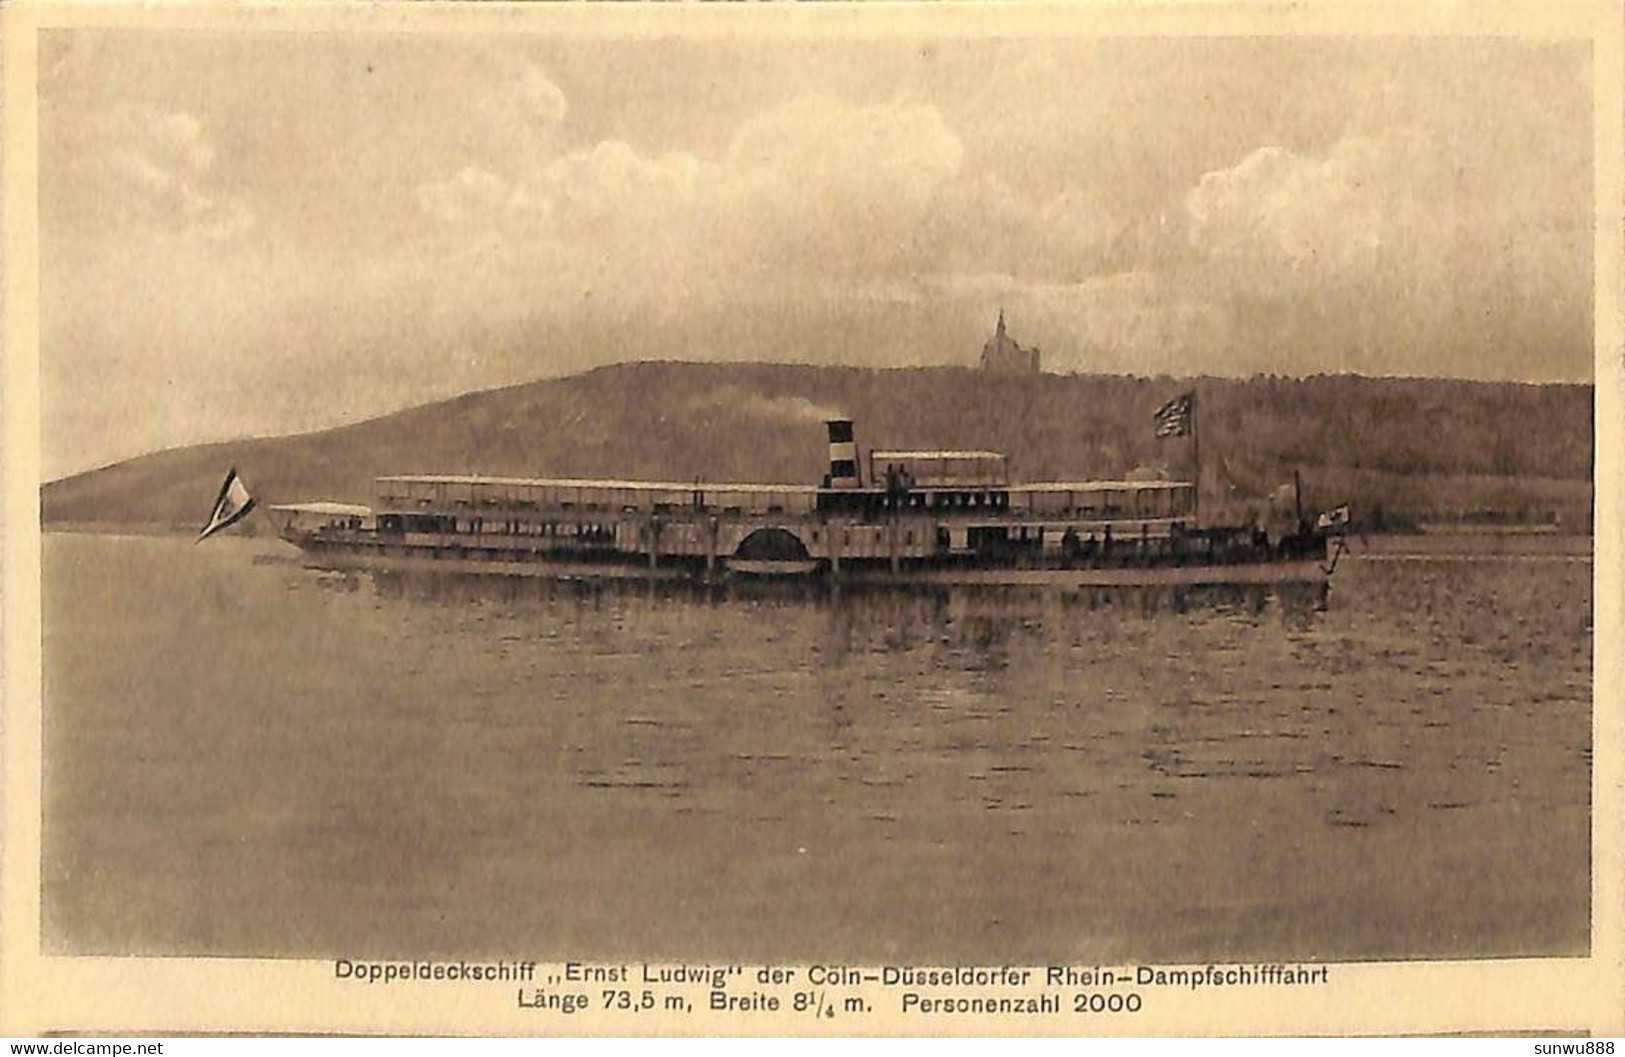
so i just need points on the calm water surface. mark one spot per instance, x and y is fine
(248, 757)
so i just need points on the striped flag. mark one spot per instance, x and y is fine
(233, 504)
(1174, 418)
(1336, 518)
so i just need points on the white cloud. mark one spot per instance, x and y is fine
(1352, 257)
(154, 169)
(471, 193)
(804, 190)
(1348, 213)
(181, 136)
(526, 110)
(607, 183)
(538, 99)
(1379, 246)
(1354, 252)
(611, 182)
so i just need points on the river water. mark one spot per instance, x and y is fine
(244, 756)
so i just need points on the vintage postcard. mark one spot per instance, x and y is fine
(854, 519)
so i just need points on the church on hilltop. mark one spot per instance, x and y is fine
(1002, 355)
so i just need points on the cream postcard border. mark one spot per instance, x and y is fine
(169, 996)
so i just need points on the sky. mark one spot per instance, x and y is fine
(269, 232)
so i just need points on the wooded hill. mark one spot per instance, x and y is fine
(1401, 450)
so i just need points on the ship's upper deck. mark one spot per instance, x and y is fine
(523, 484)
(447, 491)
(460, 480)
(1096, 498)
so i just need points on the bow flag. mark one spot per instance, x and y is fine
(1174, 418)
(232, 506)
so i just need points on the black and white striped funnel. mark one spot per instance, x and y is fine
(843, 455)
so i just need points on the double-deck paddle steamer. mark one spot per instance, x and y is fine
(894, 517)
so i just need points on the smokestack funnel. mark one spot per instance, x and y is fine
(843, 455)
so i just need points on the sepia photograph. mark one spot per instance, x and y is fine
(911, 499)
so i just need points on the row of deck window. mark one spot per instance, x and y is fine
(585, 532)
(1147, 502)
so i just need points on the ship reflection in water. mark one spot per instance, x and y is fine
(945, 607)
(252, 757)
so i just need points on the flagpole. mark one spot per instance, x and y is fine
(1196, 455)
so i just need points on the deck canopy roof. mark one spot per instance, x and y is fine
(462, 480)
(901, 456)
(328, 509)
(1099, 486)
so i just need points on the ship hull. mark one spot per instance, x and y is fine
(621, 566)
(1282, 572)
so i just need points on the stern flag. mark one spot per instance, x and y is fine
(1335, 518)
(1174, 418)
(232, 506)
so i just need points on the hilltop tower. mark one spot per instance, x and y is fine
(1003, 355)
